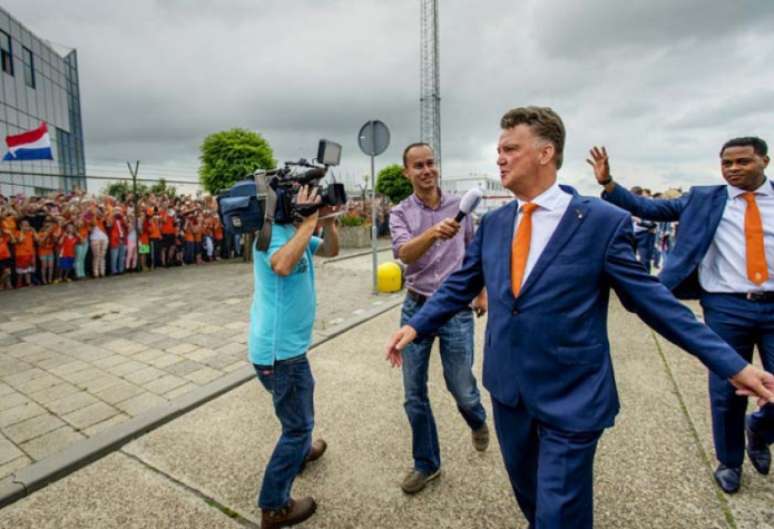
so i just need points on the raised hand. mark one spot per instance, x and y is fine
(752, 382)
(600, 163)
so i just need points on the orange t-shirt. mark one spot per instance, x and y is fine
(25, 242)
(83, 231)
(153, 229)
(68, 246)
(5, 247)
(9, 223)
(46, 244)
(116, 234)
(167, 223)
(218, 231)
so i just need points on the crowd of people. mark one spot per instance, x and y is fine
(67, 236)
(654, 240)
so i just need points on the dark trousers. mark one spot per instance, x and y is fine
(291, 385)
(551, 470)
(646, 246)
(743, 324)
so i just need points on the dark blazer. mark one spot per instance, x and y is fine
(549, 347)
(699, 212)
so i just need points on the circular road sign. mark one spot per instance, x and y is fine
(374, 138)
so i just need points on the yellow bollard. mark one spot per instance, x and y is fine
(389, 277)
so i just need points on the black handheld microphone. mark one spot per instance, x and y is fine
(469, 202)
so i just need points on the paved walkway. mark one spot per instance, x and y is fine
(77, 359)
(203, 469)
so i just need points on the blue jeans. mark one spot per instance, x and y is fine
(743, 324)
(113, 261)
(122, 259)
(456, 341)
(291, 385)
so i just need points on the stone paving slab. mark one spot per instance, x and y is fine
(66, 353)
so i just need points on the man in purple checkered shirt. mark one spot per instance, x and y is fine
(426, 237)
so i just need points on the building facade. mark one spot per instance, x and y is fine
(38, 84)
(495, 195)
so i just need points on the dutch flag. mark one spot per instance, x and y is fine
(31, 145)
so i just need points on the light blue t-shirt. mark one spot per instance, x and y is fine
(283, 309)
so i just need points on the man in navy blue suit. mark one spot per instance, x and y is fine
(724, 256)
(548, 261)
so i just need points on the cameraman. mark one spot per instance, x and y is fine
(281, 321)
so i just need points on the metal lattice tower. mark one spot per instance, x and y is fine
(430, 89)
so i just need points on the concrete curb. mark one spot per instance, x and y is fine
(81, 453)
(353, 255)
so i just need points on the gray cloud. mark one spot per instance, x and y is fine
(662, 83)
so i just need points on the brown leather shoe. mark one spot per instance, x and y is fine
(316, 451)
(416, 480)
(318, 448)
(291, 514)
(481, 438)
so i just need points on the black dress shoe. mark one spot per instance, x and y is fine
(757, 450)
(728, 478)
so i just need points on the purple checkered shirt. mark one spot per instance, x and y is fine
(410, 219)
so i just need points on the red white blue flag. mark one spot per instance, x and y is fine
(31, 145)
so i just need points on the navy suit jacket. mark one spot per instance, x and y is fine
(549, 347)
(699, 212)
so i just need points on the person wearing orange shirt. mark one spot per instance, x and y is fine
(167, 221)
(198, 235)
(188, 237)
(143, 247)
(24, 250)
(6, 259)
(217, 233)
(68, 243)
(46, 253)
(154, 232)
(117, 238)
(82, 249)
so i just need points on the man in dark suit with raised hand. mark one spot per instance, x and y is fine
(548, 261)
(723, 256)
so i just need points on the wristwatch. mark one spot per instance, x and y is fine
(606, 182)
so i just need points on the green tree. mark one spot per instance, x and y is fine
(121, 189)
(391, 183)
(232, 155)
(161, 188)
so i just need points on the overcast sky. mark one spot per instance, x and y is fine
(661, 83)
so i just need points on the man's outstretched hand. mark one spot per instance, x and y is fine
(402, 337)
(752, 382)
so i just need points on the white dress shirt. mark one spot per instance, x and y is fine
(552, 203)
(724, 267)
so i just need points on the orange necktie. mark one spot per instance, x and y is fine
(520, 247)
(757, 271)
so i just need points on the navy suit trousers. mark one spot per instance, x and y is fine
(744, 324)
(551, 470)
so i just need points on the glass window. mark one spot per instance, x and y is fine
(29, 67)
(6, 58)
